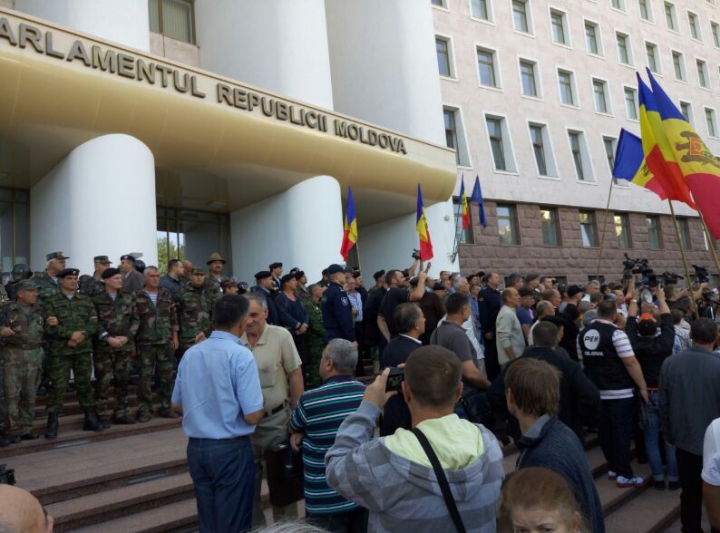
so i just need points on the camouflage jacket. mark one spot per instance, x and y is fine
(194, 309)
(73, 314)
(26, 322)
(92, 286)
(116, 317)
(315, 323)
(157, 321)
(47, 287)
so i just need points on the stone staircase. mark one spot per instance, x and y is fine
(134, 479)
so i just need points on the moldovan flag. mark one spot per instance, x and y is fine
(659, 155)
(350, 234)
(477, 197)
(426, 249)
(630, 163)
(464, 206)
(697, 164)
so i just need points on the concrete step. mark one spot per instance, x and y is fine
(178, 517)
(613, 498)
(71, 398)
(651, 511)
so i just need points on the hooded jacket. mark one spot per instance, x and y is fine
(393, 479)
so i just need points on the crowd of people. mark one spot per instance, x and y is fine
(462, 368)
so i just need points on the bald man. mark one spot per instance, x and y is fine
(20, 511)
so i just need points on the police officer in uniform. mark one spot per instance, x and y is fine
(336, 309)
(276, 270)
(265, 286)
(489, 305)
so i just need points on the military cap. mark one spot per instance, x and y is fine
(215, 257)
(325, 272)
(286, 278)
(334, 269)
(298, 274)
(26, 285)
(128, 257)
(68, 272)
(379, 274)
(294, 270)
(198, 270)
(110, 272)
(102, 259)
(262, 275)
(275, 265)
(55, 255)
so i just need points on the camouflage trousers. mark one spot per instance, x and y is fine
(315, 347)
(22, 375)
(112, 369)
(58, 368)
(151, 355)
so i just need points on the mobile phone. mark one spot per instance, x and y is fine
(395, 379)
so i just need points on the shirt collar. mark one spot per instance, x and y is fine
(339, 379)
(226, 335)
(411, 338)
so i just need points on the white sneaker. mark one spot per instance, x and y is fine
(612, 475)
(628, 482)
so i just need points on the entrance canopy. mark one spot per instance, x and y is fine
(218, 144)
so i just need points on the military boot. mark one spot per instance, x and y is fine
(51, 430)
(91, 420)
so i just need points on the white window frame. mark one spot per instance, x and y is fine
(658, 62)
(673, 16)
(606, 93)
(508, 148)
(573, 86)
(528, 16)
(628, 43)
(621, 9)
(550, 159)
(615, 139)
(598, 38)
(566, 26)
(651, 15)
(698, 26)
(691, 114)
(715, 33)
(460, 134)
(713, 119)
(537, 76)
(683, 71)
(706, 73)
(451, 56)
(585, 156)
(496, 64)
(491, 14)
(635, 93)
(443, 5)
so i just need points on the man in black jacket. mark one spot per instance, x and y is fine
(579, 398)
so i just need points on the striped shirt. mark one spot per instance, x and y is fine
(319, 414)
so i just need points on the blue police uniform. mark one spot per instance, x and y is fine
(337, 314)
(489, 305)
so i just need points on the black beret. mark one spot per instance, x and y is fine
(287, 277)
(68, 272)
(299, 274)
(325, 272)
(262, 275)
(379, 274)
(335, 268)
(127, 257)
(294, 270)
(110, 272)
(275, 265)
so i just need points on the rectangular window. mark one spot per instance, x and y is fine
(711, 122)
(507, 225)
(527, 75)
(592, 38)
(587, 229)
(703, 79)
(610, 143)
(480, 9)
(715, 33)
(653, 227)
(567, 90)
(486, 67)
(550, 227)
(537, 137)
(439, 3)
(618, 4)
(559, 31)
(645, 12)
(622, 230)
(465, 236)
(686, 110)
(580, 156)
(670, 16)
(623, 46)
(683, 228)
(631, 107)
(694, 26)
(451, 133)
(520, 16)
(601, 98)
(678, 65)
(497, 142)
(652, 57)
(173, 18)
(442, 47)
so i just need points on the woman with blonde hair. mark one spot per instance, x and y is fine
(537, 500)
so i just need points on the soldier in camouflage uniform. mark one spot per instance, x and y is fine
(156, 341)
(194, 305)
(70, 321)
(21, 328)
(94, 284)
(117, 326)
(314, 338)
(4, 300)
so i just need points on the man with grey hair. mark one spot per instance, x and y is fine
(315, 423)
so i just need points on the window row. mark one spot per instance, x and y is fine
(173, 18)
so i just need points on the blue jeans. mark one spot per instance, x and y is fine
(617, 423)
(652, 443)
(223, 473)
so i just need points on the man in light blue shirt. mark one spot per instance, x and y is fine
(218, 389)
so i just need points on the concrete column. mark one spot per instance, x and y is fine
(301, 227)
(126, 22)
(99, 200)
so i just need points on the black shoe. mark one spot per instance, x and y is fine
(143, 417)
(29, 436)
(91, 420)
(673, 485)
(51, 430)
(103, 423)
(14, 439)
(4, 442)
(41, 391)
(659, 485)
(124, 420)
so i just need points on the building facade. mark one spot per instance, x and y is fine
(535, 93)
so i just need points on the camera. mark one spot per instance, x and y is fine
(416, 254)
(394, 380)
(7, 475)
(701, 276)
(668, 278)
(639, 267)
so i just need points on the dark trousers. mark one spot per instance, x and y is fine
(350, 522)
(689, 470)
(616, 428)
(492, 363)
(223, 474)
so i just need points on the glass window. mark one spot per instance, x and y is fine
(527, 74)
(451, 133)
(567, 92)
(173, 18)
(623, 45)
(550, 227)
(609, 144)
(577, 155)
(557, 18)
(715, 33)
(686, 110)
(538, 143)
(694, 26)
(678, 65)
(711, 122)
(439, 3)
(465, 236)
(486, 67)
(442, 48)
(592, 40)
(600, 90)
(631, 107)
(495, 132)
(587, 229)
(617, 4)
(520, 16)
(622, 230)
(507, 225)
(644, 7)
(652, 60)
(702, 74)
(670, 16)
(653, 227)
(480, 9)
(683, 228)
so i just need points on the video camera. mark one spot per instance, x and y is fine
(637, 267)
(7, 475)
(416, 254)
(701, 275)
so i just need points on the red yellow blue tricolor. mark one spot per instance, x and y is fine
(464, 206)
(426, 248)
(350, 232)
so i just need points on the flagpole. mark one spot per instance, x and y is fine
(604, 223)
(711, 242)
(688, 282)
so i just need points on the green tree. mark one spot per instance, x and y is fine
(167, 250)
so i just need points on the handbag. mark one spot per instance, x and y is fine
(284, 475)
(442, 481)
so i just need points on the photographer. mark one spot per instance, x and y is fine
(651, 349)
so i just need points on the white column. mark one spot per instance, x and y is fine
(100, 200)
(278, 46)
(126, 22)
(301, 227)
